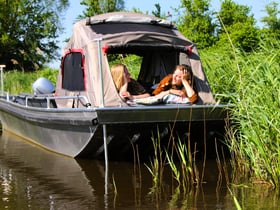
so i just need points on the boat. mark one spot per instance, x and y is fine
(83, 116)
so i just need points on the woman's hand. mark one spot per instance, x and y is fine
(189, 90)
(186, 77)
(126, 95)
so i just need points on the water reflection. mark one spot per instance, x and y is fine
(32, 178)
(36, 179)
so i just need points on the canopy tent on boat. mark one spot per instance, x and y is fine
(157, 41)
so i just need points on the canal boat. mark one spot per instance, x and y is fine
(83, 116)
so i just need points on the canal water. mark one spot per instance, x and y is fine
(33, 178)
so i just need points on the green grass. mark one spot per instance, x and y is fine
(19, 82)
(251, 83)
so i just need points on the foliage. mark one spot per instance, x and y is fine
(28, 32)
(206, 29)
(219, 67)
(250, 81)
(271, 28)
(236, 22)
(95, 7)
(157, 13)
(258, 116)
(196, 22)
(271, 21)
(18, 82)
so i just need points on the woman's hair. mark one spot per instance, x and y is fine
(117, 72)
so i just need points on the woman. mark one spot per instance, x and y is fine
(179, 83)
(127, 87)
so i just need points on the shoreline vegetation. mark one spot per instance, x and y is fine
(248, 81)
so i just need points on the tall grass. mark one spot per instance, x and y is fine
(156, 166)
(17, 81)
(254, 138)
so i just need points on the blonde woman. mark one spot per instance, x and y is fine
(127, 87)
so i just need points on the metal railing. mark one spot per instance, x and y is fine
(49, 99)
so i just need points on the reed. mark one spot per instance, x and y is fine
(114, 185)
(175, 159)
(175, 171)
(236, 203)
(254, 136)
(189, 175)
(156, 167)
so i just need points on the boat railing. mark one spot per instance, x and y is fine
(51, 99)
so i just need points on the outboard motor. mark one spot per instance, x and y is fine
(43, 86)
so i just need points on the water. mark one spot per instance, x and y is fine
(32, 178)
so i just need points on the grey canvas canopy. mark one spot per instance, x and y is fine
(157, 41)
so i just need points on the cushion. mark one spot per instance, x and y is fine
(168, 99)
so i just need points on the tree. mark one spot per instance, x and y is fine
(157, 12)
(271, 22)
(196, 22)
(95, 7)
(28, 32)
(240, 26)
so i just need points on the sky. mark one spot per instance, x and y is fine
(75, 9)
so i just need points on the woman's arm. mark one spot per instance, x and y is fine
(123, 89)
(190, 93)
(164, 84)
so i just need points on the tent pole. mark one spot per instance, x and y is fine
(100, 71)
(102, 105)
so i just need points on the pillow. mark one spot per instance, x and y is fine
(168, 99)
(148, 100)
(175, 99)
